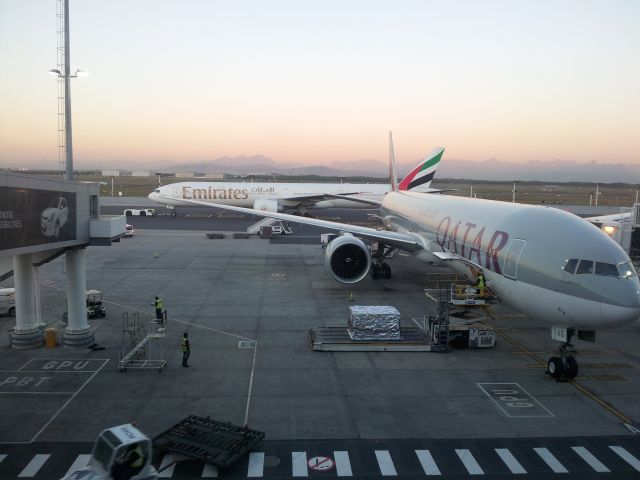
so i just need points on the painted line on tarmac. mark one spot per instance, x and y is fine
(172, 319)
(253, 366)
(68, 402)
(610, 408)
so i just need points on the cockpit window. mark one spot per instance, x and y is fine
(158, 191)
(586, 266)
(627, 270)
(570, 266)
(606, 269)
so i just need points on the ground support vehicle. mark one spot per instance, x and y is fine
(470, 295)
(8, 301)
(95, 308)
(143, 212)
(124, 452)
(470, 334)
(121, 452)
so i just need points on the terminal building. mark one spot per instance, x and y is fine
(40, 220)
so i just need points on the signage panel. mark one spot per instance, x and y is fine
(33, 217)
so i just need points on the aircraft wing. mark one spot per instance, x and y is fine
(311, 200)
(404, 241)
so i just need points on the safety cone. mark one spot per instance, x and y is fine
(351, 296)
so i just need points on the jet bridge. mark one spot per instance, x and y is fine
(41, 219)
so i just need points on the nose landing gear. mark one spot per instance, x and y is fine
(565, 366)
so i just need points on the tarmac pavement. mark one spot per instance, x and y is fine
(248, 305)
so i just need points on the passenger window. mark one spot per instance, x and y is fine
(627, 270)
(607, 269)
(586, 266)
(570, 266)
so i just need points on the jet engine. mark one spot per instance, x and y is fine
(267, 205)
(348, 259)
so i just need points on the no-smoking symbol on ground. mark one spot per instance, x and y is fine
(321, 463)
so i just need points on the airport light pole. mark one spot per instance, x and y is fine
(66, 76)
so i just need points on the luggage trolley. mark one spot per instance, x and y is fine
(142, 344)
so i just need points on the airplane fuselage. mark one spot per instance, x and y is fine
(242, 194)
(522, 250)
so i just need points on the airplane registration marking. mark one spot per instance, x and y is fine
(514, 401)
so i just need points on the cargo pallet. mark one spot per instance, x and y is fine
(219, 443)
(337, 339)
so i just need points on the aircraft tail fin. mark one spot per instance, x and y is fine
(420, 177)
(393, 176)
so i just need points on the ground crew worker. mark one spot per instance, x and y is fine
(158, 305)
(186, 349)
(130, 464)
(480, 282)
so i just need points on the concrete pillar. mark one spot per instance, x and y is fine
(77, 333)
(36, 297)
(26, 333)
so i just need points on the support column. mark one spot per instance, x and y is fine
(36, 298)
(26, 333)
(78, 333)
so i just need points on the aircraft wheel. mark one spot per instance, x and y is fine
(143, 214)
(12, 312)
(386, 270)
(571, 367)
(555, 367)
(375, 272)
(174, 214)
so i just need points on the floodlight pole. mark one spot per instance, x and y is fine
(67, 96)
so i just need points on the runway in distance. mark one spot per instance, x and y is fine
(549, 264)
(293, 197)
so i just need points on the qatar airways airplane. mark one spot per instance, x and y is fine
(293, 197)
(549, 264)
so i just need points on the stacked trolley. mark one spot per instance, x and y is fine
(142, 344)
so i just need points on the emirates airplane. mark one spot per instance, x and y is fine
(293, 197)
(549, 264)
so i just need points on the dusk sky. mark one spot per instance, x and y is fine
(314, 82)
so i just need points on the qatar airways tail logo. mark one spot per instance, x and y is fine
(469, 240)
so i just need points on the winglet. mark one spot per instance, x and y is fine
(423, 173)
(393, 177)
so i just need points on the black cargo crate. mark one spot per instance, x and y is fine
(219, 443)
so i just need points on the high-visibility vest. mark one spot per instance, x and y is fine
(480, 282)
(139, 461)
(159, 304)
(184, 344)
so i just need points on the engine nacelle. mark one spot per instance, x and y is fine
(348, 259)
(265, 205)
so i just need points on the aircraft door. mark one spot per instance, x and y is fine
(512, 258)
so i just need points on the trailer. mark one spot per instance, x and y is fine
(125, 452)
(219, 443)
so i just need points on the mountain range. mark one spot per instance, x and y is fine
(492, 169)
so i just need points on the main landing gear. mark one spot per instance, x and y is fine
(565, 366)
(379, 268)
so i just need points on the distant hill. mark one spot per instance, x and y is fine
(492, 169)
(548, 171)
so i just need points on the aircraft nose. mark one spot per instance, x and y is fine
(621, 302)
